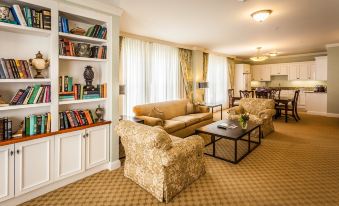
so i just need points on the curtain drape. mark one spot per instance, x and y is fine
(151, 73)
(204, 72)
(231, 73)
(217, 73)
(185, 58)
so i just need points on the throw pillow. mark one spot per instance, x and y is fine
(189, 108)
(197, 108)
(157, 113)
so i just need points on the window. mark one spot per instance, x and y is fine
(217, 80)
(151, 73)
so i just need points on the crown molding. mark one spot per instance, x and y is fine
(97, 5)
(300, 55)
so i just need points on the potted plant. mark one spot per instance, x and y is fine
(243, 120)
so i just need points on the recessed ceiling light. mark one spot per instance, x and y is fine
(259, 58)
(261, 15)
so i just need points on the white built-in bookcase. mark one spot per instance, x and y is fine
(21, 42)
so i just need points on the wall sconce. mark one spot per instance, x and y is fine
(202, 85)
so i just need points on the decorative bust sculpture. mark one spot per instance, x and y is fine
(89, 76)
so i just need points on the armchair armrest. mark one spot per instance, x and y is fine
(234, 110)
(151, 121)
(266, 114)
(191, 145)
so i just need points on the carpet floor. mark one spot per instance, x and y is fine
(296, 165)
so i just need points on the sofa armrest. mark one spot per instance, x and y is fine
(266, 114)
(192, 145)
(203, 109)
(151, 121)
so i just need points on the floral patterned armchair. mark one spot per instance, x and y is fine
(161, 164)
(261, 111)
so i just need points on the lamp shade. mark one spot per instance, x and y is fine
(202, 85)
(122, 89)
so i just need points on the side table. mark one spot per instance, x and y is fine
(212, 106)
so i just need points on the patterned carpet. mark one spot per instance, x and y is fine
(296, 165)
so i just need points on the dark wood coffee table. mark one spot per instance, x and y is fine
(235, 135)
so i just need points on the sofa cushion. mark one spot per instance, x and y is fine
(202, 116)
(189, 108)
(156, 113)
(189, 120)
(172, 126)
(254, 106)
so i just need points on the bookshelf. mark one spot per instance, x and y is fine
(22, 43)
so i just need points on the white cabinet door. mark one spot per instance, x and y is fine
(302, 99)
(311, 71)
(256, 72)
(293, 71)
(321, 68)
(97, 146)
(33, 164)
(275, 69)
(266, 73)
(304, 68)
(284, 68)
(69, 154)
(6, 172)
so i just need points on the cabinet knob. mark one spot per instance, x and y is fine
(12, 153)
(18, 151)
(87, 134)
(84, 135)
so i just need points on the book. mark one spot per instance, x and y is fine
(46, 19)
(23, 96)
(17, 96)
(19, 15)
(28, 16)
(4, 68)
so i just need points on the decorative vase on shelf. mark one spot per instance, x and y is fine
(100, 113)
(89, 76)
(83, 49)
(39, 64)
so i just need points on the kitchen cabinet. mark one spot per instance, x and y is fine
(33, 164)
(69, 154)
(6, 172)
(97, 145)
(316, 102)
(321, 68)
(301, 71)
(302, 99)
(261, 72)
(279, 69)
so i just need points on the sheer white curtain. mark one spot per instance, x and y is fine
(217, 77)
(151, 73)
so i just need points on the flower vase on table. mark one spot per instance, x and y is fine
(243, 120)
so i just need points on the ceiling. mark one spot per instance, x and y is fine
(225, 26)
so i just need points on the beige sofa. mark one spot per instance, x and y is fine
(160, 163)
(178, 120)
(261, 111)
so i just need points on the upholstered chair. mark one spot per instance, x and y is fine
(261, 111)
(161, 164)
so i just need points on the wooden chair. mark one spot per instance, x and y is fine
(275, 93)
(262, 94)
(292, 108)
(246, 94)
(232, 98)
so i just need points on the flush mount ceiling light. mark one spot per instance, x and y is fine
(259, 58)
(273, 54)
(261, 15)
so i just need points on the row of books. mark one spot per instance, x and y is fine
(5, 128)
(15, 69)
(99, 52)
(75, 118)
(31, 17)
(79, 93)
(63, 24)
(97, 31)
(37, 124)
(32, 95)
(65, 83)
(68, 48)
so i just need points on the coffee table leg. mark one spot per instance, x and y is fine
(221, 112)
(249, 142)
(213, 140)
(235, 151)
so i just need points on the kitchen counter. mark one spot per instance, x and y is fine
(316, 103)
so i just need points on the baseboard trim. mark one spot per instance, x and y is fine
(333, 115)
(114, 165)
(53, 186)
(317, 113)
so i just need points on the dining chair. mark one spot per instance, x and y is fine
(275, 93)
(262, 94)
(246, 94)
(291, 108)
(232, 100)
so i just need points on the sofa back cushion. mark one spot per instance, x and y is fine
(171, 109)
(139, 136)
(256, 105)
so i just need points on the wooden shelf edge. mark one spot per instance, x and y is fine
(38, 136)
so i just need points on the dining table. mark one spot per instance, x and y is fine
(285, 102)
